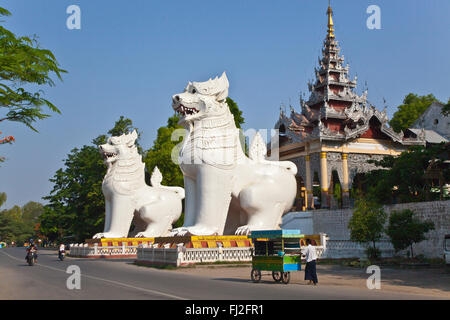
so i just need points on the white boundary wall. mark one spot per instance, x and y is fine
(334, 223)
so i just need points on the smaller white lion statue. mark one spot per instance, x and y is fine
(127, 196)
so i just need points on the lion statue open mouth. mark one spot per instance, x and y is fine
(226, 191)
(127, 196)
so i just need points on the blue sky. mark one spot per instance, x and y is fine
(131, 56)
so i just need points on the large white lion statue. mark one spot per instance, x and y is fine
(226, 191)
(127, 195)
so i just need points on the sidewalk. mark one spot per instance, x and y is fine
(425, 281)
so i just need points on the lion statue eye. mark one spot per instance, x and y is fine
(194, 91)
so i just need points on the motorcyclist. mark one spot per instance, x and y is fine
(32, 249)
(62, 249)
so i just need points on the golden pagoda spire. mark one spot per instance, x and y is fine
(330, 21)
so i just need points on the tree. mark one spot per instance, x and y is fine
(411, 109)
(403, 178)
(405, 229)
(2, 198)
(446, 109)
(367, 224)
(160, 154)
(76, 204)
(237, 113)
(18, 223)
(23, 64)
(32, 211)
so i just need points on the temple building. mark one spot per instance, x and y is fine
(336, 132)
(435, 124)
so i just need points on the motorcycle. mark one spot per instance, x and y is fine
(31, 258)
(61, 255)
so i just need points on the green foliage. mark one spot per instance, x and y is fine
(413, 106)
(24, 63)
(18, 224)
(404, 229)
(76, 204)
(446, 109)
(402, 178)
(237, 113)
(2, 198)
(367, 222)
(77, 194)
(160, 154)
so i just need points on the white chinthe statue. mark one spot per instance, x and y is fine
(127, 195)
(226, 191)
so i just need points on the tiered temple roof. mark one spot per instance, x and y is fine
(334, 111)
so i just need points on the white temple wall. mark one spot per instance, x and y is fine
(335, 224)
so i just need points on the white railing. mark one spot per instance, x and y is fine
(159, 255)
(182, 256)
(83, 250)
(351, 249)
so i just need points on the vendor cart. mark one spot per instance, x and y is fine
(278, 251)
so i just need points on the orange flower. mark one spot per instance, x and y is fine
(9, 139)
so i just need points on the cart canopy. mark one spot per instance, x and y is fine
(276, 234)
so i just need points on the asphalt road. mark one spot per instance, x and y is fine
(112, 279)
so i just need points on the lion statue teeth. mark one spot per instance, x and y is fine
(127, 196)
(226, 191)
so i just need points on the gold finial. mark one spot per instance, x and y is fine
(330, 21)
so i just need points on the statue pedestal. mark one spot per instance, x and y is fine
(116, 242)
(199, 242)
(109, 248)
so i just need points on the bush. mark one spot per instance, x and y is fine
(367, 224)
(373, 253)
(405, 229)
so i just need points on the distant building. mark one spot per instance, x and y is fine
(336, 132)
(433, 120)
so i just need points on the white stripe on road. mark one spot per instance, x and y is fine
(106, 280)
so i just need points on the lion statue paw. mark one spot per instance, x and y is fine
(243, 231)
(144, 235)
(106, 235)
(193, 231)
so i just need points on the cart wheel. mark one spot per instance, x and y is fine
(276, 275)
(255, 275)
(285, 277)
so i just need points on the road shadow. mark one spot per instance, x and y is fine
(263, 281)
(423, 277)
